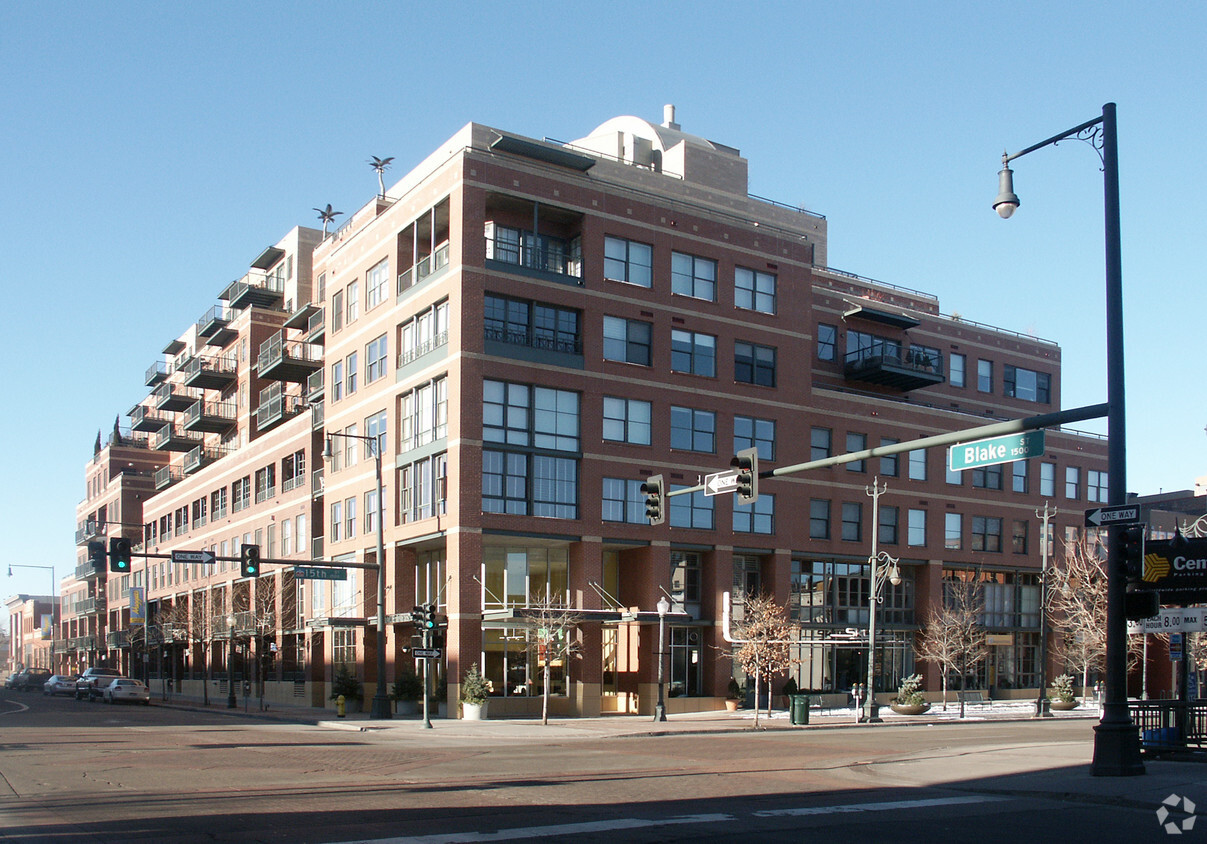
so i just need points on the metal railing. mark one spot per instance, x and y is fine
(420, 349)
(423, 268)
(534, 340)
(548, 255)
(1170, 724)
(892, 353)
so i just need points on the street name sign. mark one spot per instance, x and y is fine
(720, 482)
(1003, 449)
(1125, 514)
(425, 653)
(317, 573)
(205, 557)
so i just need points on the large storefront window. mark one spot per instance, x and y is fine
(514, 666)
(687, 668)
(828, 664)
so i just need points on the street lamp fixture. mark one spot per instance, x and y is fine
(664, 606)
(380, 709)
(1116, 738)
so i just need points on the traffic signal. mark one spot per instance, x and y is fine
(424, 617)
(249, 561)
(96, 555)
(120, 551)
(655, 500)
(1130, 541)
(746, 462)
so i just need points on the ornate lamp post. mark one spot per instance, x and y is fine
(231, 702)
(1116, 739)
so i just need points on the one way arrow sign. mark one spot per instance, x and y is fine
(1126, 514)
(720, 482)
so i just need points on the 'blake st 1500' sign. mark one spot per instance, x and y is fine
(1178, 572)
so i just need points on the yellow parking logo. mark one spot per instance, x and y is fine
(1156, 567)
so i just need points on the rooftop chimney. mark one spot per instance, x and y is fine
(668, 117)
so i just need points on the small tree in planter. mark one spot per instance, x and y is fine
(1062, 689)
(347, 684)
(910, 700)
(407, 691)
(734, 695)
(474, 693)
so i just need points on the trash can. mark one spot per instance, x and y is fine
(798, 711)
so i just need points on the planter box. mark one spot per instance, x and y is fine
(473, 711)
(912, 709)
(1063, 705)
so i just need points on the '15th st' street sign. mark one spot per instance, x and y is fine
(1003, 449)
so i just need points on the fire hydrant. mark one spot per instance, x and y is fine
(339, 706)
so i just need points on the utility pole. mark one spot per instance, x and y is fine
(1042, 704)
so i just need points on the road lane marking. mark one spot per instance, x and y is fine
(557, 830)
(886, 806)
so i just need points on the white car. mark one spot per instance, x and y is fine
(59, 684)
(130, 690)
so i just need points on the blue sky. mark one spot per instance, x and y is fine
(149, 152)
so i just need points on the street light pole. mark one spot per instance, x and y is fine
(1116, 739)
(880, 564)
(231, 702)
(1043, 707)
(664, 606)
(380, 709)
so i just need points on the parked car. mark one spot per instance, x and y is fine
(125, 689)
(33, 678)
(59, 684)
(88, 687)
(10, 682)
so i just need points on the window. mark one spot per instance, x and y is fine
(375, 427)
(827, 342)
(337, 381)
(754, 364)
(293, 470)
(889, 519)
(504, 482)
(1047, 480)
(337, 311)
(754, 290)
(218, 504)
(685, 576)
(349, 518)
(693, 276)
(628, 261)
(350, 364)
(749, 432)
(1018, 476)
(917, 528)
(337, 521)
(691, 511)
(820, 443)
(1096, 486)
(856, 442)
(852, 521)
(819, 518)
(984, 376)
(953, 531)
(693, 430)
(917, 464)
(241, 494)
(371, 512)
(888, 462)
(428, 330)
(956, 367)
(986, 533)
(534, 324)
(861, 346)
(287, 537)
(626, 420)
(423, 415)
(1026, 384)
(693, 352)
(375, 359)
(352, 445)
(954, 477)
(423, 488)
(377, 282)
(517, 414)
(758, 517)
(266, 483)
(1018, 539)
(987, 477)
(623, 501)
(1072, 483)
(627, 341)
(353, 302)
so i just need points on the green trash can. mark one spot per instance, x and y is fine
(798, 712)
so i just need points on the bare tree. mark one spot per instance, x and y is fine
(1077, 602)
(953, 635)
(552, 638)
(762, 643)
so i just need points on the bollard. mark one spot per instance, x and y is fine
(339, 706)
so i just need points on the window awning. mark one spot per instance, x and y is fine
(881, 316)
(543, 152)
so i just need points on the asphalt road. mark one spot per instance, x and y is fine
(74, 771)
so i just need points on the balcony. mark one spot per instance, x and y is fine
(316, 548)
(300, 319)
(214, 325)
(117, 639)
(314, 386)
(316, 327)
(276, 407)
(158, 373)
(146, 419)
(423, 268)
(210, 373)
(288, 360)
(256, 289)
(173, 397)
(885, 364)
(316, 482)
(202, 456)
(91, 530)
(422, 348)
(173, 438)
(317, 415)
(210, 417)
(165, 476)
(81, 643)
(90, 606)
(86, 570)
